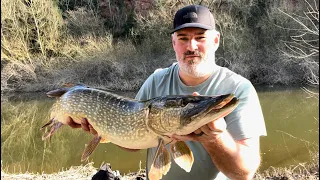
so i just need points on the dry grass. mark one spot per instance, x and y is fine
(76, 172)
(301, 172)
(83, 172)
(29, 27)
(41, 50)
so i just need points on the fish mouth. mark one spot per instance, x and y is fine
(209, 110)
(224, 107)
(229, 100)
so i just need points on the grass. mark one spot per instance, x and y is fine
(21, 146)
(75, 172)
(301, 172)
(44, 44)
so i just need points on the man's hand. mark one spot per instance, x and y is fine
(206, 133)
(236, 159)
(86, 126)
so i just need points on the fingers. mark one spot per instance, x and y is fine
(195, 94)
(92, 131)
(72, 124)
(85, 124)
(198, 131)
(206, 130)
(219, 125)
(190, 137)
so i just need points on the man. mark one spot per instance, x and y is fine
(227, 148)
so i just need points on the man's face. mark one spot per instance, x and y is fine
(195, 49)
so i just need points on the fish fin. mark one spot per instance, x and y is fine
(49, 123)
(161, 162)
(57, 92)
(182, 155)
(90, 147)
(71, 84)
(55, 125)
(65, 87)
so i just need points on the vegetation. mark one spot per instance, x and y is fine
(301, 172)
(47, 43)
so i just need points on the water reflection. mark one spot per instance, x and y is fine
(291, 120)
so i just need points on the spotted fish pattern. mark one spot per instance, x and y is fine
(138, 124)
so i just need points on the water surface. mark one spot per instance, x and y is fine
(291, 119)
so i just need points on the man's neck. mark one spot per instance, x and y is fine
(192, 81)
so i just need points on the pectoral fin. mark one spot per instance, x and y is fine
(182, 155)
(90, 147)
(161, 162)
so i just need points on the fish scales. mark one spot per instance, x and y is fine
(127, 122)
(121, 122)
(139, 124)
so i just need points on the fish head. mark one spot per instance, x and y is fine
(201, 110)
(183, 114)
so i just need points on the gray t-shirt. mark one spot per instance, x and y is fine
(245, 121)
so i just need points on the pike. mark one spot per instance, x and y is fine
(137, 124)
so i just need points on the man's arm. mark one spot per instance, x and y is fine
(236, 159)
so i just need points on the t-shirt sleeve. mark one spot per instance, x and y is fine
(246, 121)
(144, 91)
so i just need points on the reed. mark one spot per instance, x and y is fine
(22, 149)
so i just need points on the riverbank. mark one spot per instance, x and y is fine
(76, 42)
(302, 171)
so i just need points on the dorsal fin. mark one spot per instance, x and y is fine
(71, 84)
(65, 87)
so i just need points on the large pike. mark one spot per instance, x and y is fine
(139, 124)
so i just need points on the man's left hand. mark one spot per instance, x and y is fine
(206, 133)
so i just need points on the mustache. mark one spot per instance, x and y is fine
(196, 53)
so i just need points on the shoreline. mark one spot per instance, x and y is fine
(82, 172)
(302, 171)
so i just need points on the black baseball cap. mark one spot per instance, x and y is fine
(193, 16)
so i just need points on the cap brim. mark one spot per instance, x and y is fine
(196, 25)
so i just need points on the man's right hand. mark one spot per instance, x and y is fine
(86, 126)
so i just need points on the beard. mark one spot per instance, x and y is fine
(197, 67)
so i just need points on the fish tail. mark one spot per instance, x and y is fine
(54, 127)
(49, 123)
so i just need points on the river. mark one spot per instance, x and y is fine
(292, 120)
